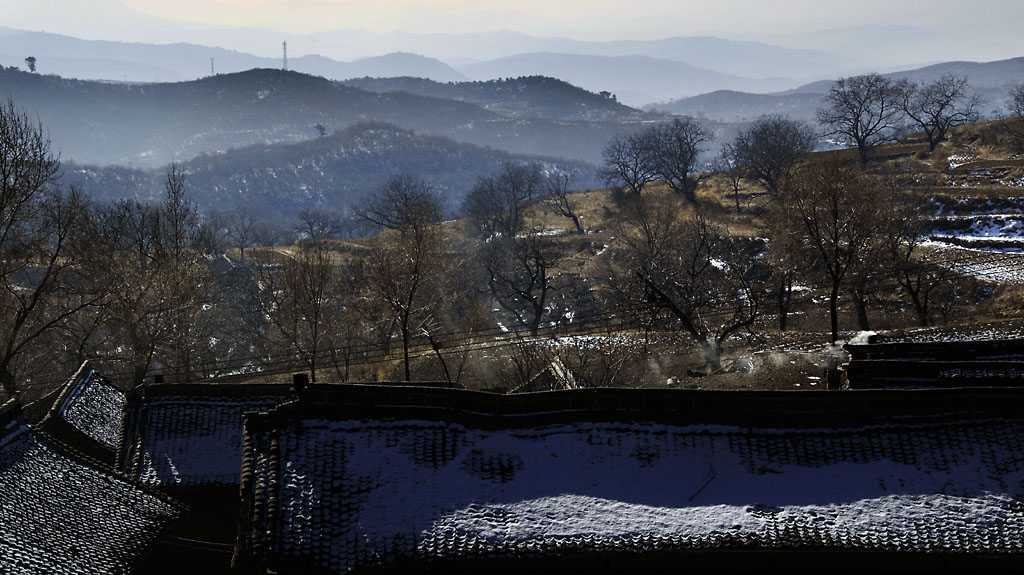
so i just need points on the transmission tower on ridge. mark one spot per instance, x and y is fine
(285, 45)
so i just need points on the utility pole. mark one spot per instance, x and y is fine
(285, 68)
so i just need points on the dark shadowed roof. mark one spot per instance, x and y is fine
(984, 363)
(62, 514)
(372, 477)
(190, 435)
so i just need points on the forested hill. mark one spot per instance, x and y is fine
(149, 125)
(522, 97)
(277, 180)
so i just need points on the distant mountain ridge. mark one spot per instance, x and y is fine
(990, 79)
(735, 57)
(636, 80)
(638, 71)
(138, 62)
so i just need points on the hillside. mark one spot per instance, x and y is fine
(149, 125)
(276, 181)
(523, 97)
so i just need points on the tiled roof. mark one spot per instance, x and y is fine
(61, 514)
(342, 492)
(987, 363)
(95, 407)
(190, 435)
(87, 413)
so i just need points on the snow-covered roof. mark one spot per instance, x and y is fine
(334, 490)
(61, 514)
(190, 435)
(87, 414)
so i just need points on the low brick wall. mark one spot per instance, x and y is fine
(678, 407)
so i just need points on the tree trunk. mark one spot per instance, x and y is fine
(405, 350)
(861, 306)
(7, 379)
(576, 222)
(833, 309)
(785, 295)
(862, 150)
(712, 353)
(920, 305)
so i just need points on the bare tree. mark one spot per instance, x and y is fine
(518, 261)
(405, 201)
(627, 163)
(519, 273)
(317, 224)
(269, 234)
(31, 63)
(557, 188)
(136, 310)
(673, 150)
(1015, 123)
(785, 255)
(927, 277)
(243, 230)
(496, 203)
(728, 165)
(939, 106)
(162, 300)
(301, 298)
(407, 268)
(771, 147)
(864, 109)
(684, 269)
(836, 210)
(665, 153)
(38, 226)
(184, 273)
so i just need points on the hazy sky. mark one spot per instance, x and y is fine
(584, 19)
(988, 28)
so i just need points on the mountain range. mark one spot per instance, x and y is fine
(636, 80)
(991, 80)
(638, 72)
(140, 62)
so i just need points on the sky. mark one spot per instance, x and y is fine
(582, 19)
(793, 23)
